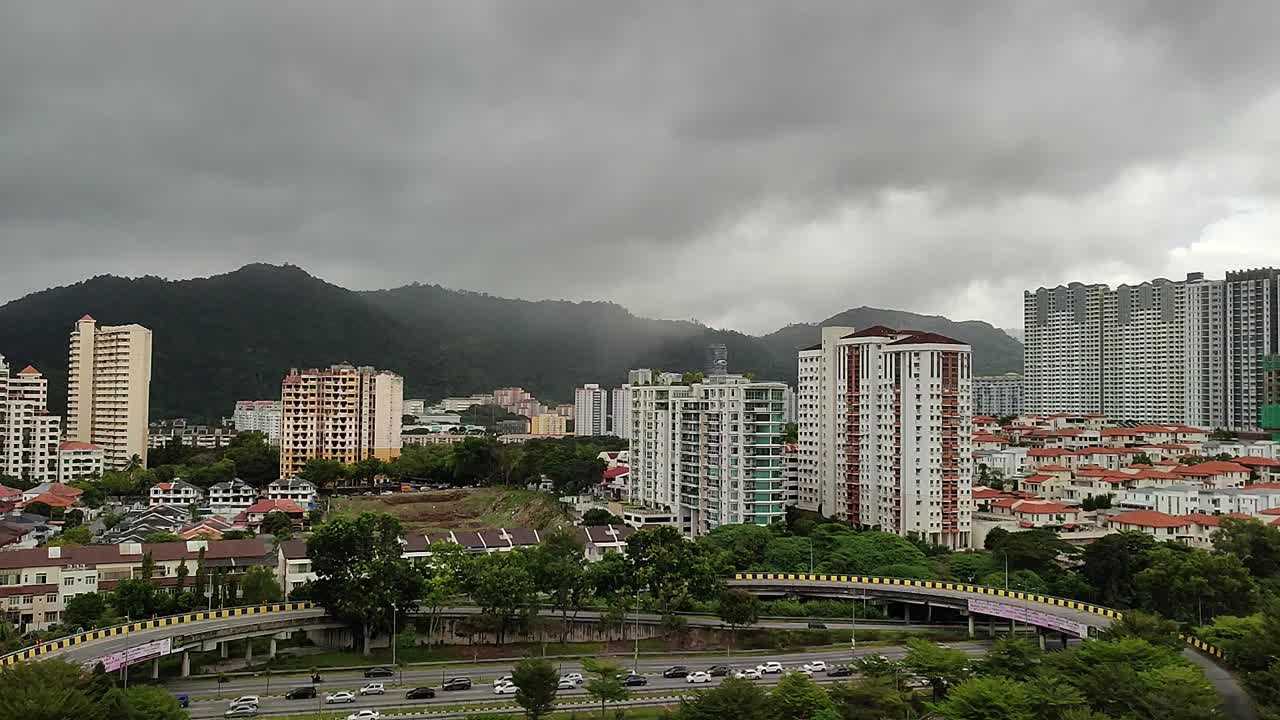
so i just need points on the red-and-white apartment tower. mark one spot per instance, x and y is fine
(886, 415)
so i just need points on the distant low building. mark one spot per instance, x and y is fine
(79, 460)
(296, 490)
(231, 498)
(177, 492)
(548, 424)
(261, 416)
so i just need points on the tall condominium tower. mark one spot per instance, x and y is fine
(590, 405)
(1162, 351)
(710, 453)
(109, 390)
(29, 435)
(885, 423)
(342, 413)
(620, 412)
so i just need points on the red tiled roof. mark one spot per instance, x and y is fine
(76, 445)
(1264, 485)
(1149, 518)
(52, 500)
(265, 506)
(1213, 467)
(1117, 432)
(28, 370)
(616, 471)
(983, 418)
(1047, 452)
(989, 438)
(6, 491)
(88, 317)
(873, 331)
(926, 338)
(1043, 508)
(1036, 479)
(1254, 461)
(983, 493)
(1213, 520)
(1149, 474)
(1053, 468)
(1271, 511)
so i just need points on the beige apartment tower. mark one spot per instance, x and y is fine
(341, 413)
(109, 390)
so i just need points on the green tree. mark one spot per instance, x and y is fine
(969, 566)
(424, 463)
(1176, 691)
(256, 461)
(278, 524)
(538, 682)
(733, 698)
(475, 461)
(84, 611)
(942, 666)
(160, 536)
(599, 516)
(47, 690)
(672, 569)
(987, 698)
(360, 573)
(558, 568)
(367, 470)
(1036, 550)
(871, 698)
(502, 587)
(605, 685)
(1052, 697)
(154, 703)
(79, 535)
(1255, 544)
(259, 586)
(1191, 585)
(323, 473)
(742, 546)
(1012, 657)
(738, 609)
(135, 599)
(1146, 626)
(1112, 562)
(798, 697)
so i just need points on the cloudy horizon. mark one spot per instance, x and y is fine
(747, 164)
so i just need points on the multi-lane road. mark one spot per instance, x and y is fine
(204, 706)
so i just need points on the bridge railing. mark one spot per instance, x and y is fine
(35, 651)
(1051, 600)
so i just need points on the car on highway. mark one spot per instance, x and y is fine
(772, 667)
(365, 715)
(420, 693)
(815, 625)
(340, 697)
(306, 692)
(675, 671)
(505, 689)
(915, 681)
(183, 701)
(747, 674)
(377, 672)
(244, 700)
(816, 666)
(719, 670)
(373, 689)
(575, 678)
(458, 683)
(633, 680)
(564, 684)
(839, 671)
(698, 677)
(242, 711)
(501, 679)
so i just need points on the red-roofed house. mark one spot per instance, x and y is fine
(1262, 469)
(1156, 524)
(1037, 513)
(986, 441)
(1046, 485)
(1203, 526)
(256, 512)
(1216, 474)
(178, 493)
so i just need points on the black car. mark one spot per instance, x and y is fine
(677, 671)
(633, 680)
(719, 670)
(305, 692)
(815, 625)
(379, 672)
(839, 671)
(184, 701)
(423, 693)
(459, 683)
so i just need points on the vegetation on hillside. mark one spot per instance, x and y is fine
(234, 336)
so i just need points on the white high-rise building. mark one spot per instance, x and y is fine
(620, 412)
(109, 390)
(590, 405)
(29, 435)
(885, 426)
(261, 416)
(997, 395)
(709, 453)
(1188, 351)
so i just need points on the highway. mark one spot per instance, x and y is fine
(482, 675)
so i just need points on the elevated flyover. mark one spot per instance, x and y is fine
(1070, 617)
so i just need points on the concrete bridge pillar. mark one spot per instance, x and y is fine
(271, 651)
(1042, 642)
(186, 664)
(991, 627)
(906, 613)
(155, 669)
(248, 650)
(971, 630)
(222, 649)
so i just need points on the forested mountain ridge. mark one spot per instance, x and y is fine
(233, 336)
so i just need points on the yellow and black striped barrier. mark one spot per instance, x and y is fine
(976, 589)
(36, 651)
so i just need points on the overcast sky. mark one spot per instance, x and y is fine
(743, 163)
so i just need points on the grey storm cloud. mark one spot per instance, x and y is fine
(747, 163)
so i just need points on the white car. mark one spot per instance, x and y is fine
(770, 668)
(747, 674)
(816, 666)
(565, 684)
(506, 688)
(340, 697)
(698, 677)
(575, 678)
(374, 689)
(501, 679)
(244, 700)
(365, 715)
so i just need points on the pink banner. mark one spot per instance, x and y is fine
(1030, 617)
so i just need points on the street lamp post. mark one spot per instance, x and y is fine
(853, 633)
(394, 610)
(636, 658)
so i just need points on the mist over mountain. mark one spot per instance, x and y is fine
(233, 336)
